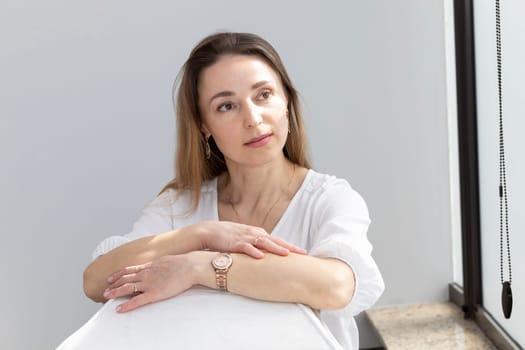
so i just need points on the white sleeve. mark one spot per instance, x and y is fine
(339, 231)
(156, 218)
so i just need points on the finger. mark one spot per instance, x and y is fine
(124, 279)
(135, 302)
(127, 271)
(265, 242)
(291, 247)
(251, 250)
(123, 290)
(272, 247)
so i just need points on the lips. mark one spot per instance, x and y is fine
(258, 138)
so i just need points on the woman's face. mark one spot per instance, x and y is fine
(244, 107)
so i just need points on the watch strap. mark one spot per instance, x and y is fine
(221, 278)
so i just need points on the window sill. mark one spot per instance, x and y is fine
(427, 326)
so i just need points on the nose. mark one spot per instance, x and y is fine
(252, 115)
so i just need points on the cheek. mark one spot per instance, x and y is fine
(284, 125)
(225, 136)
(280, 128)
(284, 120)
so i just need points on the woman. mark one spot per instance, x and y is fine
(244, 206)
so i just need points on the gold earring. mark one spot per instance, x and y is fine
(289, 123)
(208, 149)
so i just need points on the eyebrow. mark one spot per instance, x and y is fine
(231, 93)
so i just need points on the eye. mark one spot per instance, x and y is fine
(225, 107)
(264, 95)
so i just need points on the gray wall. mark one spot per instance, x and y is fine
(86, 133)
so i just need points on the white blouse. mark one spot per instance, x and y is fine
(326, 217)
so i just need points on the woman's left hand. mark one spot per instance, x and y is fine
(154, 281)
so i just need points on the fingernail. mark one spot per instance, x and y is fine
(119, 308)
(110, 279)
(106, 293)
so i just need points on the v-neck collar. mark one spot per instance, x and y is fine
(295, 198)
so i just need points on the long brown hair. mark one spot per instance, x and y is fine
(192, 167)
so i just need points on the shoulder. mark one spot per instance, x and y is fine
(318, 182)
(324, 185)
(333, 194)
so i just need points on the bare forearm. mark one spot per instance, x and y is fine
(317, 282)
(137, 252)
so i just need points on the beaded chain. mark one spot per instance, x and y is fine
(506, 294)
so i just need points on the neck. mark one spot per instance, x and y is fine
(252, 186)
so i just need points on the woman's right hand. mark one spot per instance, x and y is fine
(232, 237)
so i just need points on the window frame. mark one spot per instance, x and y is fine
(469, 296)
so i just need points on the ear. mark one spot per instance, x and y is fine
(205, 131)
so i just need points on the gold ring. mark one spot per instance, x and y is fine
(135, 290)
(257, 240)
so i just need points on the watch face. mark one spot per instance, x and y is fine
(222, 261)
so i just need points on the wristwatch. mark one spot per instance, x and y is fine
(221, 263)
